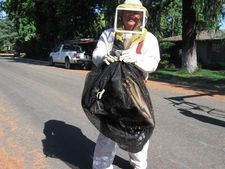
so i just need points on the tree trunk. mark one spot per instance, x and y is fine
(189, 55)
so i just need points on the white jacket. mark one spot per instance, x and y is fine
(147, 61)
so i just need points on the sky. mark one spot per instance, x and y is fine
(2, 14)
(222, 24)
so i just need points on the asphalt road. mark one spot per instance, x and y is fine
(42, 124)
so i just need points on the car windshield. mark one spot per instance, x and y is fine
(57, 48)
(72, 48)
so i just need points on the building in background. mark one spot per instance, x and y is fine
(210, 48)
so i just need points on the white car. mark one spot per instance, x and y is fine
(69, 54)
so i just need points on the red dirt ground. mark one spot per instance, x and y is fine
(185, 90)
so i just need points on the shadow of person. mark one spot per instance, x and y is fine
(67, 143)
(202, 118)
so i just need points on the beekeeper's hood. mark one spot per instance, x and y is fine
(130, 5)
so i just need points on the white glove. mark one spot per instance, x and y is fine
(108, 59)
(127, 57)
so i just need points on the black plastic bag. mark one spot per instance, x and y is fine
(116, 101)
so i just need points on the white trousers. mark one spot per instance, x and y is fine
(105, 151)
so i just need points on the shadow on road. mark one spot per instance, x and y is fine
(25, 60)
(202, 118)
(67, 143)
(207, 114)
(40, 62)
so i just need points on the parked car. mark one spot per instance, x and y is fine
(70, 54)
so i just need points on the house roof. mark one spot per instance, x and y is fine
(204, 35)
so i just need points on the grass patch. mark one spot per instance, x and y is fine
(202, 77)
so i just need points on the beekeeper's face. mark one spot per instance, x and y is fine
(131, 19)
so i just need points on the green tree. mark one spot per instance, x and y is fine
(189, 56)
(197, 15)
(48, 22)
(43, 24)
(109, 8)
(21, 12)
(1, 6)
(8, 35)
(171, 19)
(61, 20)
(156, 9)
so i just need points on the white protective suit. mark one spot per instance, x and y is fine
(147, 61)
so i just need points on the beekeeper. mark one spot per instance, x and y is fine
(140, 47)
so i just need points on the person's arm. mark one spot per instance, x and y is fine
(149, 58)
(103, 47)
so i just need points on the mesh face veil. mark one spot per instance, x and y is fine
(130, 13)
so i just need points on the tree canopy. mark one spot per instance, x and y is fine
(46, 23)
(8, 34)
(43, 24)
(197, 15)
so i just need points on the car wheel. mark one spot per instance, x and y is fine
(67, 63)
(51, 63)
